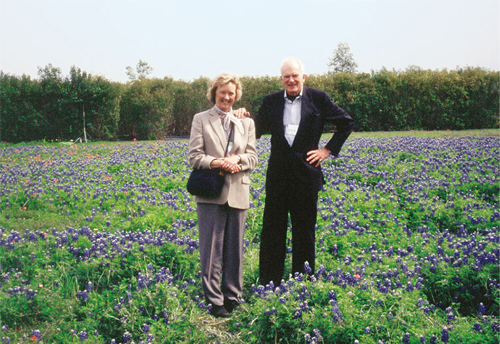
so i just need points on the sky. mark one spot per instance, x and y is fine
(186, 39)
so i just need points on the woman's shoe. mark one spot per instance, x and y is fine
(220, 312)
(230, 305)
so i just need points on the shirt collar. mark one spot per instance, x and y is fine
(300, 94)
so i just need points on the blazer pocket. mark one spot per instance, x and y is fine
(245, 180)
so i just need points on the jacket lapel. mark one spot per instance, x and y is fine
(217, 126)
(280, 113)
(305, 111)
(237, 138)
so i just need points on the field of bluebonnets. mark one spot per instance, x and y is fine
(99, 244)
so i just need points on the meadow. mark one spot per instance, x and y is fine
(99, 244)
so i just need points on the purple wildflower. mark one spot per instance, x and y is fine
(307, 268)
(82, 335)
(477, 327)
(445, 335)
(127, 337)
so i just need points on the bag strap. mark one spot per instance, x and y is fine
(230, 136)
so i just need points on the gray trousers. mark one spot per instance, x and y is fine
(221, 230)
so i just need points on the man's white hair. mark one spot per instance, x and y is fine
(292, 60)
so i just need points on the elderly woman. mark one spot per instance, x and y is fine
(221, 220)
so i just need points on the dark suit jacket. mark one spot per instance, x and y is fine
(288, 162)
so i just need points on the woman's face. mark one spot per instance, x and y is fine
(225, 96)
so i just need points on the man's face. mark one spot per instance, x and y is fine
(292, 78)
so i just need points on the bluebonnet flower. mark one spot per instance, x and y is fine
(317, 334)
(419, 284)
(82, 335)
(445, 335)
(30, 294)
(268, 312)
(406, 338)
(368, 330)
(307, 268)
(481, 309)
(127, 337)
(409, 287)
(83, 296)
(337, 317)
(450, 317)
(321, 271)
(477, 327)
(145, 328)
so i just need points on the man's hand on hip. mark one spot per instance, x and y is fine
(317, 156)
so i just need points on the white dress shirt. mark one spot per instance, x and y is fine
(291, 117)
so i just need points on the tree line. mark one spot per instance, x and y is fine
(53, 106)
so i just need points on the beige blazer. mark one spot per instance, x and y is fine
(208, 142)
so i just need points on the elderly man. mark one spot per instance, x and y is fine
(295, 118)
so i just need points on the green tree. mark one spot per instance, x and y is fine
(141, 71)
(52, 97)
(95, 97)
(342, 60)
(146, 109)
(20, 119)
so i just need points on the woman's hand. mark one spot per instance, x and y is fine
(231, 164)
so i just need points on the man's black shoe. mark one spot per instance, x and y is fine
(230, 305)
(220, 312)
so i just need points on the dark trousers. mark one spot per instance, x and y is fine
(302, 206)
